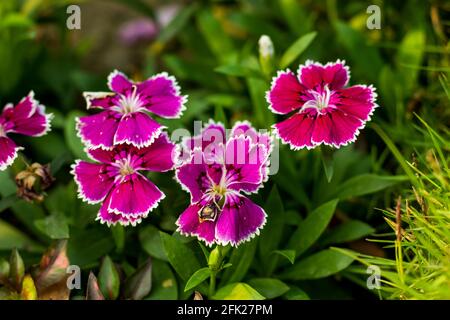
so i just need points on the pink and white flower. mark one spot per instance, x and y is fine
(117, 181)
(217, 174)
(27, 118)
(124, 117)
(322, 109)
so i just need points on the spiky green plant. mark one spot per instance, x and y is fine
(421, 229)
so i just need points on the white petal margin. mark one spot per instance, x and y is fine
(81, 194)
(176, 86)
(328, 64)
(249, 237)
(10, 160)
(272, 86)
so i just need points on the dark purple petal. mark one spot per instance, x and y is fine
(94, 180)
(296, 131)
(159, 156)
(101, 100)
(189, 224)
(135, 196)
(239, 221)
(213, 133)
(27, 117)
(193, 176)
(137, 129)
(8, 152)
(358, 101)
(314, 75)
(285, 93)
(245, 128)
(322, 129)
(118, 82)
(162, 96)
(98, 130)
(103, 155)
(111, 218)
(244, 163)
(345, 128)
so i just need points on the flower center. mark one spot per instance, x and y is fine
(2, 131)
(126, 168)
(131, 102)
(219, 190)
(320, 101)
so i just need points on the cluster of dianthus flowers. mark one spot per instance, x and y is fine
(218, 167)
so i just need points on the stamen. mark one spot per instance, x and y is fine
(321, 100)
(130, 103)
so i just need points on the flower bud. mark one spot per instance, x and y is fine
(266, 54)
(28, 291)
(215, 259)
(93, 290)
(32, 182)
(139, 284)
(108, 279)
(17, 269)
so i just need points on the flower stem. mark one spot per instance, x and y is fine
(212, 284)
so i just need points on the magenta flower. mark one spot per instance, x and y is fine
(124, 117)
(117, 181)
(323, 110)
(27, 118)
(216, 174)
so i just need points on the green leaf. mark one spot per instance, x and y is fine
(365, 184)
(198, 277)
(312, 227)
(72, 140)
(55, 226)
(241, 259)
(108, 279)
(118, 234)
(218, 41)
(237, 291)
(327, 157)
(139, 284)
(296, 49)
(296, 293)
(151, 242)
(164, 285)
(271, 234)
(181, 257)
(85, 247)
(219, 116)
(239, 71)
(177, 24)
(7, 202)
(268, 287)
(366, 58)
(348, 231)
(288, 254)
(10, 238)
(320, 265)
(410, 55)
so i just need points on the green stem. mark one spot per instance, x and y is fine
(212, 284)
